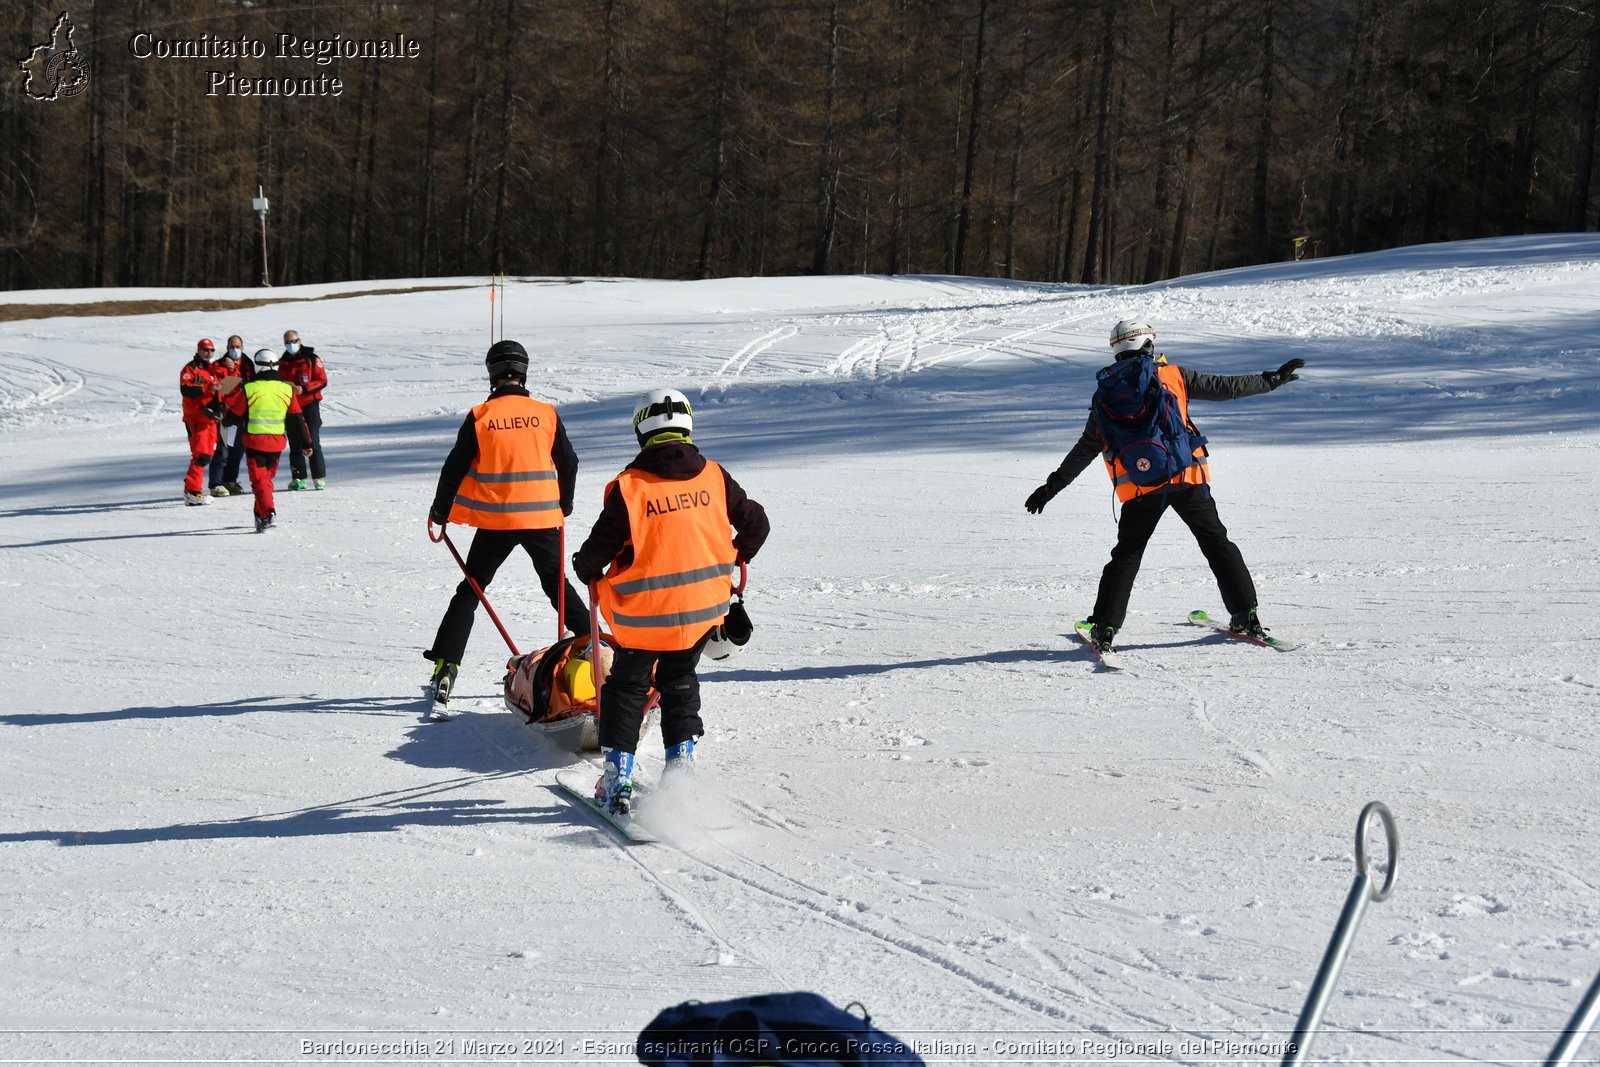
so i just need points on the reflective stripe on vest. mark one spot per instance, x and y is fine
(679, 583)
(512, 485)
(1199, 474)
(267, 403)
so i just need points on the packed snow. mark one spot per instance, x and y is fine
(230, 831)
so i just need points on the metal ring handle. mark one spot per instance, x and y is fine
(1390, 834)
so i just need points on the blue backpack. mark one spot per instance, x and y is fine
(1140, 423)
(777, 1029)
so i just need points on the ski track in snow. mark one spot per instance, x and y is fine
(944, 811)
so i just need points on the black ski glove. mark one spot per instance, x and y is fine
(438, 519)
(577, 572)
(215, 410)
(1039, 498)
(1285, 373)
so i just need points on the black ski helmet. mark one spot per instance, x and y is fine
(506, 358)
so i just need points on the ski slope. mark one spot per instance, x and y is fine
(228, 830)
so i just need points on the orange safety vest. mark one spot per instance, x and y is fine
(1199, 474)
(512, 484)
(680, 581)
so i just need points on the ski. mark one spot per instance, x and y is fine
(1200, 618)
(1108, 660)
(580, 786)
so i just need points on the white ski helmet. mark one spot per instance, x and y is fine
(1130, 335)
(729, 637)
(265, 359)
(663, 411)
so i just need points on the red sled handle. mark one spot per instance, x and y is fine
(476, 588)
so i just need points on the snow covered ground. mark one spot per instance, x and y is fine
(227, 829)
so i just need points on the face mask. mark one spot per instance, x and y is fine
(292, 347)
(235, 353)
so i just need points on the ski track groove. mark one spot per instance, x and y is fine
(740, 361)
(692, 916)
(903, 944)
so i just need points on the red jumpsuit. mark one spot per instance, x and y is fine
(198, 384)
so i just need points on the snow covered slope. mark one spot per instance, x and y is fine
(228, 830)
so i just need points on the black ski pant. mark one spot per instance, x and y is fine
(298, 444)
(489, 549)
(627, 687)
(1198, 510)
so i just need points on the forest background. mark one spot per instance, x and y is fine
(1054, 140)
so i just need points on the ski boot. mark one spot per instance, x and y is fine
(613, 791)
(264, 522)
(195, 500)
(319, 483)
(680, 759)
(1100, 636)
(296, 484)
(444, 680)
(234, 489)
(1246, 623)
(219, 490)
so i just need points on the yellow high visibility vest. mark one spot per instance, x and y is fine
(267, 403)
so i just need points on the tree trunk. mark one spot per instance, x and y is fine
(974, 115)
(897, 225)
(1588, 118)
(1522, 165)
(169, 183)
(1153, 257)
(1260, 231)
(1014, 195)
(719, 149)
(600, 253)
(425, 242)
(1191, 152)
(507, 121)
(825, 212)
(1098, 193)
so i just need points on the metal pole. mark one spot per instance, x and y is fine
(260, 205)
(1583, 1020)
(266, 279)
(1355, 906)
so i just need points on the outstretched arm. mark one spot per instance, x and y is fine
(1233, 386)
(1081, 455)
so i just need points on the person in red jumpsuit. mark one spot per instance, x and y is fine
(201, 410)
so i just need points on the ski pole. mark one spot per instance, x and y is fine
(476, 588)
(1362, 890)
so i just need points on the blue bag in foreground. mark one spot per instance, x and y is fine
(769, 1030)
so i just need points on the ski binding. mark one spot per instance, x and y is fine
(1200, 618)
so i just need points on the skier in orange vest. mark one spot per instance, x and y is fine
(664, 556)
(1188, 492)
(511, 475)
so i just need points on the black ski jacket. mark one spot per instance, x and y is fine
(612, 535)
